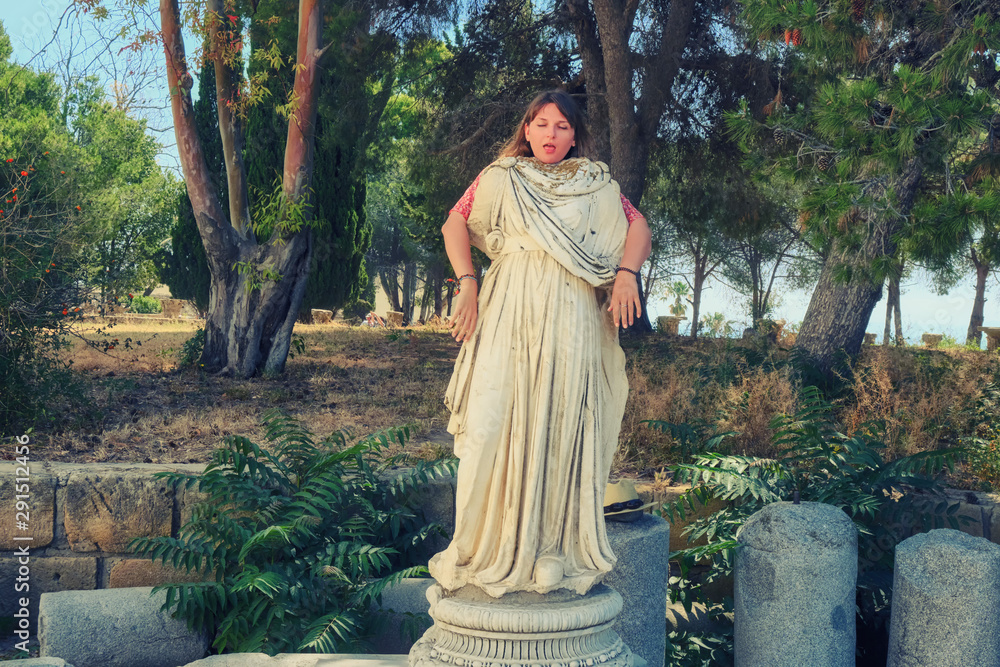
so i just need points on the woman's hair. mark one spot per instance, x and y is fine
(518, 146)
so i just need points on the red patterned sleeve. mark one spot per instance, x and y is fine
(464, 205)
(630, 211)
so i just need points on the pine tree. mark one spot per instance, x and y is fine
(894, 100)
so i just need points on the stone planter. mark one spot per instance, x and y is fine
(669, 324)
(932, 340)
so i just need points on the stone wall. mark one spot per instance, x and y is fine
(82, 517)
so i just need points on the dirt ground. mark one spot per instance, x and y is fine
(139, 406)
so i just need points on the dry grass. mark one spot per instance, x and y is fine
(752, 402)
(924, 398)
(139, 407)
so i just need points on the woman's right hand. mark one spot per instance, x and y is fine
(466, 312)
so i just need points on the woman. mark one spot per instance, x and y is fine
(538, 391)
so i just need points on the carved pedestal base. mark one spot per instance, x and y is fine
(558, 629)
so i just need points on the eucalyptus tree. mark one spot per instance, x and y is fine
(276, 225)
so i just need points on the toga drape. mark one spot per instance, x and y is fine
(538, 392)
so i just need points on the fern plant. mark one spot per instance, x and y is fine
(887, 500)
(297, 539)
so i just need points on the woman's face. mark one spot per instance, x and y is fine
(549, 134)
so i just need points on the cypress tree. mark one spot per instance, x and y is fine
(348, 109)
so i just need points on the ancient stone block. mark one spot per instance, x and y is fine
(43, 575)
(322, 316)
(106, 511)
(640, 577)
(172, 307)
(796, 573)
(133, 572)
(123, 627)
(931, 340)
(40, 491)
(394, 318)
(946, 590)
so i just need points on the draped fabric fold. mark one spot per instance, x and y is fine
(538, 392)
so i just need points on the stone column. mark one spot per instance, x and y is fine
(796, 573)
(946, 594)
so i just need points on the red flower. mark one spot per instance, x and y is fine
(130, 295)
(45, 153)
(10, 159)
(46, 270)
(65, 312)
(14, 190)
(62, 172)
(78, 208)
(24, 173)
(15, 197)
(232, 18)
(53, 263)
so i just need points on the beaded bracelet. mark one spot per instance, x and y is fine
(467, 275)
(622, 268)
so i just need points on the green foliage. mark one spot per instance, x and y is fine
(983, 448)
(192, 349)
(184, 267)
(146, 304)
(860, 98)
(298, 537)
(817, 463)
(359, 308)
(715, 325)
(680, 293)
(43, 250)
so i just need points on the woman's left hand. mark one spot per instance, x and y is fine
(625, 306)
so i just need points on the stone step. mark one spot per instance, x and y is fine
(302, 660)
(117, 627)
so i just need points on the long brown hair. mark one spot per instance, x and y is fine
(518, 146)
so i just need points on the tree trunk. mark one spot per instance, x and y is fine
(697, 285)
(974, 335)
(251, 310)
(839, 310)
(887, 333)
(896, 294)
(409, 290)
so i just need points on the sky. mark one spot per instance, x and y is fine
(30, 25)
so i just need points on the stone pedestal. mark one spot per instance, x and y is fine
(320, 316)
(640, 576)
(669, 324)
(172, 307)
(796, 572)
(932, 340)
(992, 337)
(946, 592)
(559, 629)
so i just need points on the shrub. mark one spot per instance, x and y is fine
(301, 537)
(192, 348)
(813, 461)
(146, 305)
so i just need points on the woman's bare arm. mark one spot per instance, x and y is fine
(456, 244)
(625, 305)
